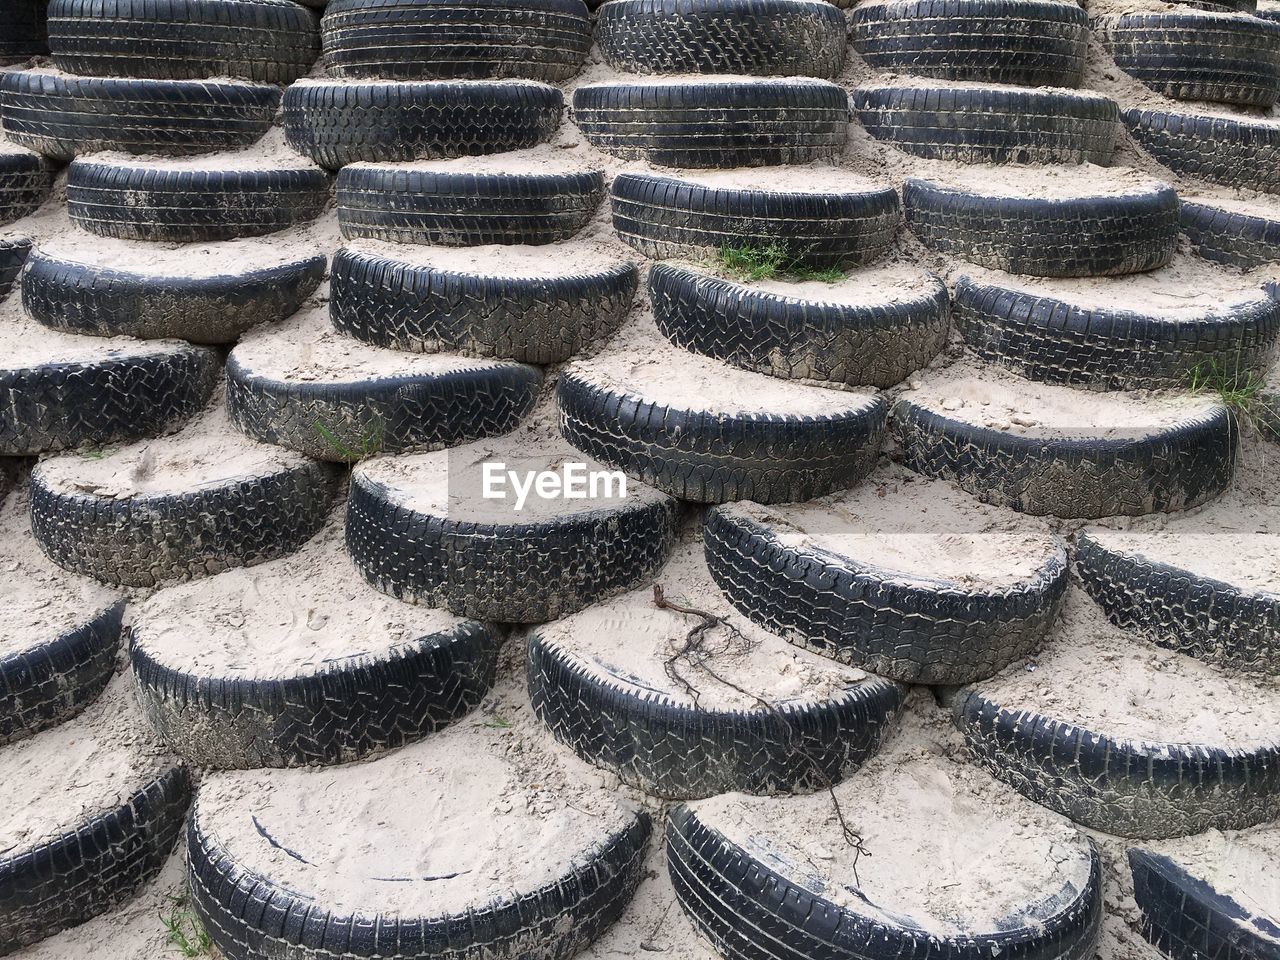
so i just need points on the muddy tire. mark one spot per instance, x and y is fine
(783, 38)
(871, 618)
(13, 254)
(1074, 237)
(125, 396)
(722, 124)
(145, 540)
(465, 209)
(1054, 341)
(1218, 57)
(874, 344)
(50, 681)
(1231, 238)
(1231, 152)
(339, 123)
(424, 309)
(981, 125)
(1032, 43)
(25, 181)
(100, 301)
(270, 41)
(664, 217)
(1174, 467)
(62, 117)
(190, 206)
(545, 40)
(1121, 786)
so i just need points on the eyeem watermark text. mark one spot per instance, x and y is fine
(571, 481)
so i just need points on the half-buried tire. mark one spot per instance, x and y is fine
(872, 329)
(61, 391)
(468, 203)
(515, 303)
(1232, 232)
(774, 878)
(225, 681)
(58, 634)
(25, 181)
(193, 201)
(177, 508)
(419, 529)
(719, 122)
(192, 292)
(1148, 331)
(14, 252)
(336, 123)
(303, 386)
(623, 686)
(93, 810)
(1232, 151)
(1097, 223)
(950, 597)
(484, 892)
(1116, 738)
(991, 124)
(818, 217)
(1056, 451)
(702, 431)
(1199, 586)
(65, 116)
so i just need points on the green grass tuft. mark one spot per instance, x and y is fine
(368, 444)
(185, 932)
(1239, 389)
(771, 262)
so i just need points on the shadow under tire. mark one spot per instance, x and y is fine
(13, 255)
(25, 181)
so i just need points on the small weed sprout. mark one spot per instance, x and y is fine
(369, 443)
(184, 931)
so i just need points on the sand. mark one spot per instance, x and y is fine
(1239, 864)
(451, 483)
(224, 259)
(570, 258)
(1048, 183)
(923, 531)
(1256, 205)
(536, 160)
(987, 397)
(297, 615)
(1105, 680)
(66, 775)
(25, 344)
(870, 286)
(208, 452)
(270, 152)
(703, 79)
(938, 855)
(38, 601)
(823, 178)
(737, 666)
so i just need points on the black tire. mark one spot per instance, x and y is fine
(94, 299)
(1116, 784)
(711, 457)
(870, 618)
(1234, 152)
(1051, 340)
(672, 750)
(1225, 236)
(65, 880)
(783, 38)
(557, 919)
(873, 344)
(396, 414)
(53, 679)
(545, 40)
(465, 209)
(326, 713)
(23, 30)
(1220, 623)
(752, 907)
(147, 539)
(1033, 43)
(270, 41)
(1186, 919)
(13, 254)
(1072, 237)
(339, 123)
(125, 395)
(663, 217)
(719, 123)
(423, 309)
(62, 117)
(190, 206)
(1173, 467)
(991, 125)
(1223, 58)
(517, 572)
(25, 181)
